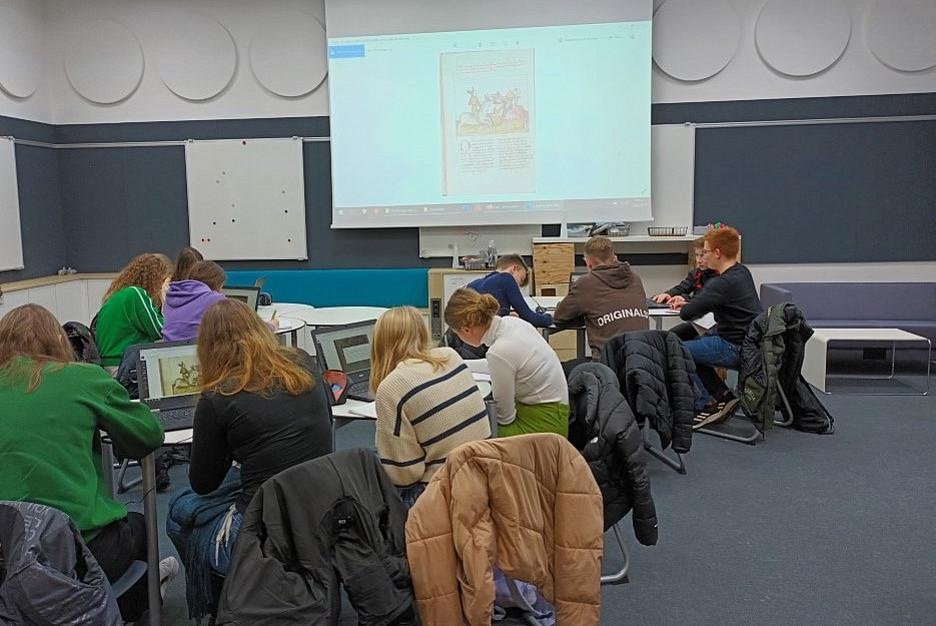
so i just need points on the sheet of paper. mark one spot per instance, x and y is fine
(706, 321)
(368, 409)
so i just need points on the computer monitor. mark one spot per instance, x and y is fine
(168, 374)
(248, 295)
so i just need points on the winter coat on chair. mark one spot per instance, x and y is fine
(771, 358)
(529, 505)
(334, 521)
(655, 372)
(603, 428)
(48, 576)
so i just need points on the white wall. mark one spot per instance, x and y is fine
(707, 50)
(23, 89)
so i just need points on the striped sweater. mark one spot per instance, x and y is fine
(423, 414)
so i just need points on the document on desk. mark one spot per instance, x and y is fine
(705, 322)
(368, 410)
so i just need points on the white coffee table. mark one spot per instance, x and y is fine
(817, 350)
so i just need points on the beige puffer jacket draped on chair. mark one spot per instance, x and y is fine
(528, 504)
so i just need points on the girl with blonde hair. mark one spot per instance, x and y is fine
(530, 390)
(130, 312)
(263, 405)
(50, 450)
(427, 401)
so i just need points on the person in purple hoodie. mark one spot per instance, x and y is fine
(187, 300)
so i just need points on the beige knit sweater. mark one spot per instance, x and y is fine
(423, 414)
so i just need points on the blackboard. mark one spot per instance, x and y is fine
(815, 193)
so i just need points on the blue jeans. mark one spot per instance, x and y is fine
(221, 561)
(708, 352)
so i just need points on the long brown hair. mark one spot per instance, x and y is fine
(148, 271)
(400, 334)
(237, 351)
(209, 273)
(185, 261)
(33, 332)
(467, 307)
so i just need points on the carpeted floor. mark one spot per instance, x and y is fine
(800, 529)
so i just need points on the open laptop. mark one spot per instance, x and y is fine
(248, 295)
(168, 378)
(347, 348)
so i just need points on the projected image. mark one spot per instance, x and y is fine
(178, 375)
(487, 104)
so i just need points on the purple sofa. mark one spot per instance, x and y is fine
(908, 306)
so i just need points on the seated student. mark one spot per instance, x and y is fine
(51, 410)
(685, 290)
(130, 313)
(732, 298)
(427, 401)
(185, 261)
(263, 405)
(510, 273)
(188, 299)
(610, 297)
(529, 386)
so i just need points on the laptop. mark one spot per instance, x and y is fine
(248, 295)
(655, 305)
(168, 379)
(347, 348)
(574, 276)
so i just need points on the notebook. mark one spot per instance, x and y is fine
(347, 348)
(168, 379)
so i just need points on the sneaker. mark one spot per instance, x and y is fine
(168, 569)
(720, 412)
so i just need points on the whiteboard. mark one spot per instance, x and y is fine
(246, 198)
(11, 239)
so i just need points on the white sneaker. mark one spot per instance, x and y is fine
(168, 569)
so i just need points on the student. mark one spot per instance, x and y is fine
(732, 298)
(263, 405)
(427, 401)
(510, 273)
(130, 313)
(610, 297)
(187, 300)
(52, 410)
(530, 388)
(685, 290)
(185, 261)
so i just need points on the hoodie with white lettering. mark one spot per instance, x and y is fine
(611, 300)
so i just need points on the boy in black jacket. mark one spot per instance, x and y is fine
(687, 288)
(732, 298)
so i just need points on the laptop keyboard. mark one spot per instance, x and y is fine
(176, 419)
(360, 391)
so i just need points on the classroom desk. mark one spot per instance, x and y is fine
(324, 316)
(289, 326)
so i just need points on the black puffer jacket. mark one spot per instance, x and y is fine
(603, 428)
(771, 357)
(655, 372)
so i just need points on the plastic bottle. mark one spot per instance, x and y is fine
(491, 254)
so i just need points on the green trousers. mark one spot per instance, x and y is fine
(552, 417)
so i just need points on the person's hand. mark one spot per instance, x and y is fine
(662, 298)
(274, 324)
(677, 302)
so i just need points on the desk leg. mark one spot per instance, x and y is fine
(658, 321)
(580, 347)
(107, 461)
(148, 466)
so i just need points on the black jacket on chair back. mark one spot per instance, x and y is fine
(603, 428)
(655, 372)
(336, 520)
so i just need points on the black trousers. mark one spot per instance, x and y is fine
(118, 545)
(685, 331)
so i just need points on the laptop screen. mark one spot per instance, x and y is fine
(346, 348)
(247, 295)
(169, 372)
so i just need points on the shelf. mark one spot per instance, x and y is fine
(628, 239)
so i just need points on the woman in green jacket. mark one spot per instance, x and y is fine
(131, 312)
(50, 448)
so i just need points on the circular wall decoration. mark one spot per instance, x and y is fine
(287, 54)
(196, 57)
(692, 40)
(802, 37)
(20, 54)
(902, 34)
(104, 62)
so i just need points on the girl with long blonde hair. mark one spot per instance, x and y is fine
(131, 310)
(262, 404)
(52, 411)
(427, 401)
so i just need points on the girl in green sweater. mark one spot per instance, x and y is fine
(50, 448)
(131, 312)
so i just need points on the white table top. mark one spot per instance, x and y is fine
(322, 316)
(864, 334)
(551, 302)
(288, 325)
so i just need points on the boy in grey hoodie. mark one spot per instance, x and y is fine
(611, 298)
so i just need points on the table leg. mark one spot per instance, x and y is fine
(107, 463)
(658, 321)
(154, 600)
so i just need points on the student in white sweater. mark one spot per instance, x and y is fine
(529, 385)
(427, 401)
